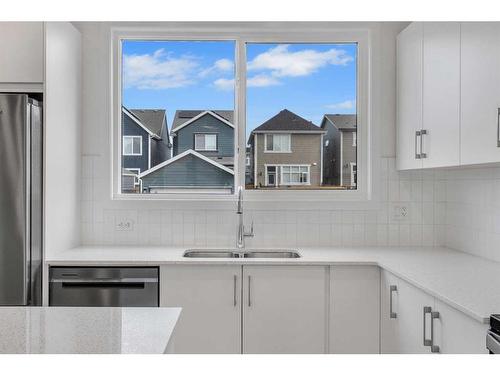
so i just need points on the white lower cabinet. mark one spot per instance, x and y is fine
(410, 317)
(210, 297)
(456, 333)
(284, 309)
(354, 310)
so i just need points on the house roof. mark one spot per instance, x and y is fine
(151, 119)
(286, 120)
(185, 116)
(342, 122)
(184, 154)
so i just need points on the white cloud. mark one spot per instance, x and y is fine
(284, 63)
(347, 104)
(262, 80)
(158, 71)
(259, 80)
(220, 66)
(224, 84)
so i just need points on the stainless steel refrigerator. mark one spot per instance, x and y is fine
(21, 203)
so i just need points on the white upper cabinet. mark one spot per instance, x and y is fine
(448, 94)
(480, 94)
(441, 95)
(409, 95)
(21, 59)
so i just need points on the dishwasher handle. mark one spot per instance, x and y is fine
(103, 284)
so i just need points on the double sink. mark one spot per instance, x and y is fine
(201, 253)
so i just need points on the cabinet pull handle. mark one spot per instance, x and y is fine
(434, 348)
(235, 282)
(423, 132)
(392, 314)
(498, 127)
(249, 291)
(427, 310)
(417, 134)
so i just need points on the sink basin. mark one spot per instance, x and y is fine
(271, 254)
(210, 254)
(225, 253)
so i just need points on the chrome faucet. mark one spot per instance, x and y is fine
(240, 241)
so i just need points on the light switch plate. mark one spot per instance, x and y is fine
(401, 212)
(124, 225)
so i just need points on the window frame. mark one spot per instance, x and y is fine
(132, 137)
(308, 166)
(273, 151)
(363, 34)
(205, 149)
(137, 182)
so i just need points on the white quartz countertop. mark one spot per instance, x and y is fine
(466, 282)
(96, 330)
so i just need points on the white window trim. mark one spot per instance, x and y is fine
(289, 151)
(247, 161)
(352, 173)
(308, 183)
(132, 137)
(136, 179)
(368, 103)
(206, 149)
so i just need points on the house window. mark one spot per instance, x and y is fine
(247, 161)
(182, 94)
(295, 175)
(137, 172)
(132, 145)
(307, 91)
(278, 143)
(205, 142)
(354, 174)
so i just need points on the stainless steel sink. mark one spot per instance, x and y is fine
(271, 254)
(210, 254)
(226, 253)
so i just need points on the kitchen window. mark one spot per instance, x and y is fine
(205, 142)
(278, 143)
(311, 93)
(132, 145)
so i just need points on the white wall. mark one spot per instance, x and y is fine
(63, 137)
(169, 223)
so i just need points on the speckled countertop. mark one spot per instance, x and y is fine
(74, 330)
(468, 283)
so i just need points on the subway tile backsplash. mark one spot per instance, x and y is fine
(422, 194)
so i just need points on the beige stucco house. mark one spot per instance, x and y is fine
(287, 152)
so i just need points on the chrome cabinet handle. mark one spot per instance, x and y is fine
(498, 127)
(427, 310)
(235, 282)
(423, 132)
(434, 348)
(249, 291)
(392, 314)
(417, 134)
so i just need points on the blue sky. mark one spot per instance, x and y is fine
(308, 79)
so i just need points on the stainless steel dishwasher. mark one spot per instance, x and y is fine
(104, 286)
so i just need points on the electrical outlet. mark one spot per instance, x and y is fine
(400, 212)
(124, 225)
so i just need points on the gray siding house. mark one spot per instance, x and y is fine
(145, 141)
(287, 152)
(203, 153)
(340, 150)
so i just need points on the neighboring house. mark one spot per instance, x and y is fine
(203, 154)
(208, 132)
(339, 150)
(145, 139)
(130, 181)
(248, 166)
(188, 169)
(287, 151)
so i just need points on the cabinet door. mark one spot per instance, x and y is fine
(21, 59)
(441, 94)
(405, 332)
(354, 309)
(480, 94)
(409, 95)
(456, 333)
(284, 309)
(389, 324)
(210, 321)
